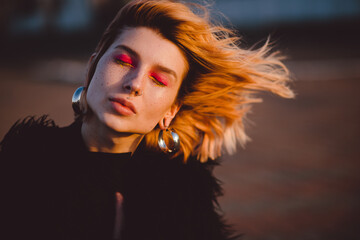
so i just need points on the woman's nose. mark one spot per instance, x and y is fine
(134, 84)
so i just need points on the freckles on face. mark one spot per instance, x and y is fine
(140, 60)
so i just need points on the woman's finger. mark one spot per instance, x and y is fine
(118, 215)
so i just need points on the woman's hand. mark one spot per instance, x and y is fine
(118, 215)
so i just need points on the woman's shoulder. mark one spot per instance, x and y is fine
(190, 175)
(146, 158)
(185, 191)
(28, 132)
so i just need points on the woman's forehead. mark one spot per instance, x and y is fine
(150, 46)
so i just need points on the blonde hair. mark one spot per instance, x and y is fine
(218, 89)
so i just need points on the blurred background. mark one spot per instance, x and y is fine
(299, 177)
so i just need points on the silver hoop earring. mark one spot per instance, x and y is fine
(175, 138)
(76, 100)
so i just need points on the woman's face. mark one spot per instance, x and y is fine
(136, 82)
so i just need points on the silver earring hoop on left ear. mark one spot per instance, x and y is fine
(76, 98)
(175, 138)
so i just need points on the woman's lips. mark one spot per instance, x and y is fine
(122, 106)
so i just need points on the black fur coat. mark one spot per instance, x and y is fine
(53, 188)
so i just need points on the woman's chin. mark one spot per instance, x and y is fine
(125, 125)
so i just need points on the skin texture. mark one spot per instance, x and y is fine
(142, 69)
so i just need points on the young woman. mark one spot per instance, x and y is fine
(166, 94)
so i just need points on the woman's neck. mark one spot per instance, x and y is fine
(100, 138)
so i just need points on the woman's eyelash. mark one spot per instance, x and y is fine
(157, 81)
(124, 62)
(121, 62)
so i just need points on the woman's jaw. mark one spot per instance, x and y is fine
(100, 138)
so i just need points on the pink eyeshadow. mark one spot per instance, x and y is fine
(160, 77)
(125, 58)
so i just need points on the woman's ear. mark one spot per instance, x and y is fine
(164, 123)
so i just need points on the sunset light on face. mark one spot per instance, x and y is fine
(136, 82)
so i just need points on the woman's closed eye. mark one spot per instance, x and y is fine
(124, 60)
(158, 79)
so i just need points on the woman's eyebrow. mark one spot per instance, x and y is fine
(166, 70)
(157, 66)
(127, 49)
